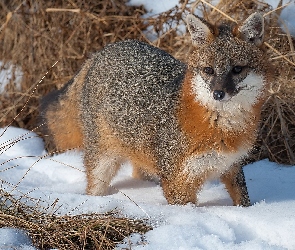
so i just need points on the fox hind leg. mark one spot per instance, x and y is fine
(100, 161)
(100, 169)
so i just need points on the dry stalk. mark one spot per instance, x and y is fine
(218, 10)
(61, 10)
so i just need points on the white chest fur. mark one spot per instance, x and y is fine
(213, 164)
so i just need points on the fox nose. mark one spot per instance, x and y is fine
(218, 94)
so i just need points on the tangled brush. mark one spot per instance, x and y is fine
(85, 231)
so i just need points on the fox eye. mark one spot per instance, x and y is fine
(237, 69)
(208, 70)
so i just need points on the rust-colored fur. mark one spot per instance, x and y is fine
(62, 118)
(67, 134)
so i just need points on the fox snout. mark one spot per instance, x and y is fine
(222, 89)
(218, 95)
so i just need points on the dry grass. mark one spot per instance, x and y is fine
(35, 34)
(85, 231)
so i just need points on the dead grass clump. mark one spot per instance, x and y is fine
(277, 134)
(36, 33)
(49, 231)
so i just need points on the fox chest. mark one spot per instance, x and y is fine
(212, 164)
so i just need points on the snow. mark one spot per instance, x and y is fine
(269, 223)
(155, 7)
(287, 16)
(6, 76)
(11, 239)
(214, 224)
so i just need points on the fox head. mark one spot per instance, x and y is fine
(229, 68)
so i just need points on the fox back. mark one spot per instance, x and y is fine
(184, 123)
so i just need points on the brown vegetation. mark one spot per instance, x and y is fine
(85, 231)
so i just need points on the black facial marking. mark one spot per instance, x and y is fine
(221, 85)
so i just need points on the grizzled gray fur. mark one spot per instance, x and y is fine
(137, 99)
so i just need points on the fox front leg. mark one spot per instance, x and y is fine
(181, 189)
(234, 181)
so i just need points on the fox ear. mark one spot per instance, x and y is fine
(199, 30)
(252, 29)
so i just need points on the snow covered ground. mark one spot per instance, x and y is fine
(214, 224)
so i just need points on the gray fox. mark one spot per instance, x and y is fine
(184, 123)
